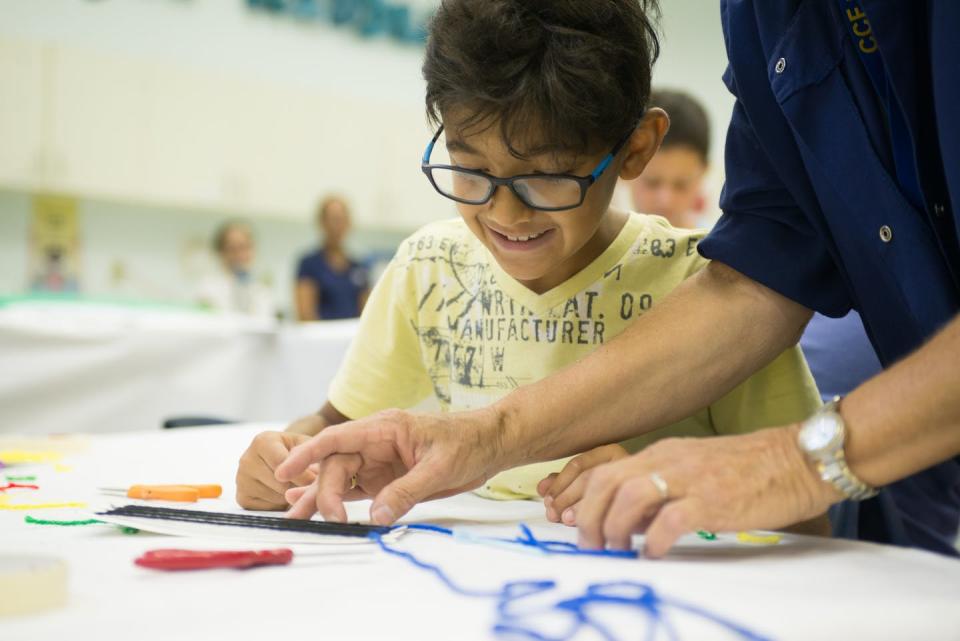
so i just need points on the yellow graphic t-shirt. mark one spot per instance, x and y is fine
(445, 321)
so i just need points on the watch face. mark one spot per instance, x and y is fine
(818, 433)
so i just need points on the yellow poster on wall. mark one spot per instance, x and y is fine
(55, 244)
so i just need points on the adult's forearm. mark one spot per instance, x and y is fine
(908, 417)
(706, 337)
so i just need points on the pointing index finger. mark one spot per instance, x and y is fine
(332, 440)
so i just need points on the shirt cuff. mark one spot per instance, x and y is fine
(790, 262)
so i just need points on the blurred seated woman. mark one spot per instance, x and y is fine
(232, 288)
(331, 285)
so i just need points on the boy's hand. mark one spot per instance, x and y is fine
(257, 489)
(395, 457)
(562, 491)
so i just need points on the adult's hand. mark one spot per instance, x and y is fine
(754, 481)
(397, 458)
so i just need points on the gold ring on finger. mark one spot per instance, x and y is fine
(661, 485)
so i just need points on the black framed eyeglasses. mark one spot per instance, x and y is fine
(546, 192)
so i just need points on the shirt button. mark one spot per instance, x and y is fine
(886, 234)
(781, 65)
(938, 209)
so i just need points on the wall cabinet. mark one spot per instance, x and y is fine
(23, 71)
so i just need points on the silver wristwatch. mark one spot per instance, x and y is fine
(821, 439)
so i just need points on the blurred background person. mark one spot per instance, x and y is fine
(672, 185)
(330, 284)
(54, 277)
(231, 287)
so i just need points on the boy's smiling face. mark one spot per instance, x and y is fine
(542, 249)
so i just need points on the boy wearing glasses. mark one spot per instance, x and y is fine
(541, 107)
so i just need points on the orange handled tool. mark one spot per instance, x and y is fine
(203, 491)
(181, 493)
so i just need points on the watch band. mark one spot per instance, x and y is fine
(838, 474)
(833, 467)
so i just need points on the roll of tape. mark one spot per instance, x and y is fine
(31, 584)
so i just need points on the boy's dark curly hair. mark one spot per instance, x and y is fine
(553, 75)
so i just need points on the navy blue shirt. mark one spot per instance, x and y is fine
(813, 205)
(338, 291)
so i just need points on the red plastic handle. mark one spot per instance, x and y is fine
(174, 559)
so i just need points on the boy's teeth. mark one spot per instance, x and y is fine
(524, 239)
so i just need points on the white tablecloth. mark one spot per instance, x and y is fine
(802, 589)
(86, 368)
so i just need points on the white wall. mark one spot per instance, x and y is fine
(210, 105)
(224, 37)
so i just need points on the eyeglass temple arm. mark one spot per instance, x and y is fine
(602, 167)
(429, 150)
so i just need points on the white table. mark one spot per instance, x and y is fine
(802, 589)
(103, 368)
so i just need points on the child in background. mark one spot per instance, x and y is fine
(232, 288)
(671, 185)
(541, 107)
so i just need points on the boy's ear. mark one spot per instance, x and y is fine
(644, 142)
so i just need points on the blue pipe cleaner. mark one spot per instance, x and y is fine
(513, 618)
(527, 539)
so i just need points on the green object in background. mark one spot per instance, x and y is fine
(706, 536)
